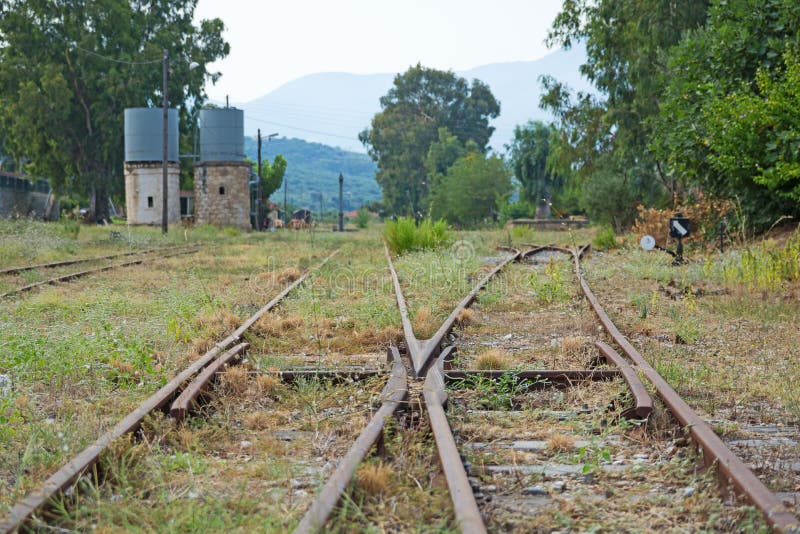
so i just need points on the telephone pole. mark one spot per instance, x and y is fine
(341, 211)
(258, 186)
(164, 152)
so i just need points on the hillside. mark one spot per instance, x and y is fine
(314, 168)
(343, 104)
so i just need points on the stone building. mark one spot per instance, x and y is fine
(222, 193)
(144, 182)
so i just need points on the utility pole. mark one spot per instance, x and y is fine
(258, 186)
(164, 152)
(285, 204)
(341, 211)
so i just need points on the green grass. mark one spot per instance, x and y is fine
(405, 235)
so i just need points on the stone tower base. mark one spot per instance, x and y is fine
(143, 187)
(222, 193)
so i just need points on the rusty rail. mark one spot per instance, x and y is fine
(394, 393)
(715, 452)
(422, 351)
(79, 274)
(466, 509)
(186, 401)
(62, 263)
(60, 480)
(643, 403)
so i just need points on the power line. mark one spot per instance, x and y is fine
(122, 61)
(302, 129)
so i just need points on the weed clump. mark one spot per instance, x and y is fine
(403, 235)
(492, 360)
(374, 479)
(465, 317)
(605, 239)
(560, 442)
(424, 323)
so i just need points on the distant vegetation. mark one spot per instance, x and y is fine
(313, 169)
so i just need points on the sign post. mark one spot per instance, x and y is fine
(679, 227)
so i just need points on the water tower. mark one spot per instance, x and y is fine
(144, 137)
(221, 189)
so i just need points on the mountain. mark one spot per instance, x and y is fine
(313, 168)
(332, 108)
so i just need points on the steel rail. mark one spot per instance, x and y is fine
(21, 512)
(186, 401)
(61, 263)
(394, 393)
(643, 402)
(730, 468)
(79, 274)
(468, 516)
(422, 351)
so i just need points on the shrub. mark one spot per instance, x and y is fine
(605, 238)
(362, 218)
(403, 235)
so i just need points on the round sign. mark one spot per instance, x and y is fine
(648, 243)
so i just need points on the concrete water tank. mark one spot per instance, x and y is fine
(144, 134)
(221, 134)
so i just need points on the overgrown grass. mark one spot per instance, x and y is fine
(605, 239)
(404, 235)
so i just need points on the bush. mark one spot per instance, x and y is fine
(403, 235)
(362, 218)
(605, 238)
(520, 209)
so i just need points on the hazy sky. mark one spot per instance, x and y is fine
(275, 42)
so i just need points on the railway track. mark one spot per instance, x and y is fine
(16, 275)
(587, 423)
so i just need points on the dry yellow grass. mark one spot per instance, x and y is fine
(258, 421)
(266, 385)
(424, 323)
(560, 442)
(235, 380)
(374, 479)
(492, 359)
(571, 346)
(465, 317)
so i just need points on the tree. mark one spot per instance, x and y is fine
(420, 102)
(71, 67)
(728, 121)
(528, 155)
(626, 42)
(272, 175)
(472, 190)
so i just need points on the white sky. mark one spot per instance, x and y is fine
(275, 42)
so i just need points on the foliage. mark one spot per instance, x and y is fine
(362, 218)
(62, 101)
(528, 154)
(610, 196)
(314, 171)
(704, 213)
(520, 209)
(727, 118)
(404, 235)
(472, 190)
(625, 43)
(422, 101)
(552, 287)
(765, 266)
(271, 175)
(605, 238)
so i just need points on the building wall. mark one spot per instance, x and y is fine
(23, 204)
(222, 194)
(143, 186)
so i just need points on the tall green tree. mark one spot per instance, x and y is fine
(271, 175)
(472, 190)
(420, 102)
(607, 133)
(728, 120)
(528, 154)
(71, 67)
